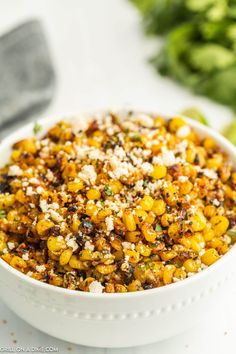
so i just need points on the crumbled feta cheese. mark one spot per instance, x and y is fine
(40, 268)
(88, 174)
(72, 243)
(144, 120)
(147, 168)
(34, 180)
(183, 131)
(39, 190)
(55, 216)
(96, 287)
(25, 256)
(43, 205)
(126, 245)
(89, 246)
(216, 202)
(11, 245)
(29, 191)
(210, 173)
(15, 170)
(183, 179)
(109, 223)
(168, 157)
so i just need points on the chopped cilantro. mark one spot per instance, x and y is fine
(102, 203)
(37, 128)
(145, 183)
(108, 190)
(2, 214)
(158, 228)
(136, 137)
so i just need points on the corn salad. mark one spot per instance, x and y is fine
(129, 203)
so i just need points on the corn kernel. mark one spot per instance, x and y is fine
(43, 226)
(210, 256)
(105, 269)
(129, 220)
(159, 207)
(65, 257)
(220, 225)
(93, 194)
(75, 186)
(168, 273)
(55, 243)
(148, 232)
(191, 266)
(146, 203)
(159, 171)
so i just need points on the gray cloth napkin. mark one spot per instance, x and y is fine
(27, 76)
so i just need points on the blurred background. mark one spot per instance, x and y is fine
(100, 54)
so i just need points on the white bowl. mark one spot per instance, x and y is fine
(115, 320)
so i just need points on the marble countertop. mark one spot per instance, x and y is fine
(101, 57)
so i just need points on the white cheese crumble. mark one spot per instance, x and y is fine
(34, 180)
(15, 170)
(183, 131)
(40, 268)
(25, 256)
(11, 245)
(29, 191)
(72, 243)
(88, 174)
(183, 179)
(39, 190)
(96, 287)
(210, 173)
(147, 168)
(89, 246)
(109, 223)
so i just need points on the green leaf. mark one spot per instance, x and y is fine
(230, 132)
(37, 128)
(108, 190)
(158, 228)
(195, 114)
(2, 214)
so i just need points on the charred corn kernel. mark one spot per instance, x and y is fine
(116, 244)
(56, 280)
(20, 196)
(69, 171)
(75, 224)
(116, 186)
(7, 257)
(119, 288)
(159, 207)
(140, 216)
(166, 219)
(208, 234)
(186, 187)
(18, 263)
(94, 143)
(190, 155)
(85, 284)
(75, 263)
(65, 257)
(168, 274)
(215, 243)
(146, 203)
(3, 245)
(175, 124)
(86, 255)
(75, 186)
(209, 211)
(129, 221)
(159, 121)
(173, 230)
(135, 285)
(143, 249)
(132, 236)
(26, 145)
(210, 256)
(196, 245)
(148, 232)
(185, 241)
(191, 266)
(151, 217)
(12, 215)
(105, 269)
(55, 243)
(15, 155)
(171, 194)
(93, 194)
(3, 236)
(180, 274)
(159, 171)
(109, 288)
(91, 209)
(168, 255)
(132, 256)
(102, 214)
(209, 143)
(234, 177)
(6, 200)
(198, 221)
(220, 225)
(43, 226)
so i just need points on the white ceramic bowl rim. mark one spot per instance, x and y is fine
(223, 142)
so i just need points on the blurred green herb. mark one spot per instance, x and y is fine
(230, 132)
(2, 214)
(195, 114)
(200, 44)
(108, 190)
(37, 128)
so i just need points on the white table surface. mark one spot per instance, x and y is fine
(101, 56)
